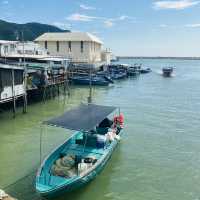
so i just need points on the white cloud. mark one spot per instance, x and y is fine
(177, 5)
(108, 23)
(123, 17)
(84, 7)
(5, 2)
(62, 25)
(163, 26)
(192, 25)
(80, 17)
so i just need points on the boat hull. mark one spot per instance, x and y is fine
(145, 71)
(82, 180)
(87, 82)
(167, 72)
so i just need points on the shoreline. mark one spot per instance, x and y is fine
(146, 57)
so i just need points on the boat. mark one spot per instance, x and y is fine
(167, 71)
(145, 71)
(117, 71)
(116, 75)
(106, 76)
(133, 71)
(84, 154)
(86, 80)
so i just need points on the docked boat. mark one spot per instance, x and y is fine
(145, 71)
(167, 71)
(118, 75)
(86, 80)
(133, 71)
(118, 71)
(106, 76)
(83, 156)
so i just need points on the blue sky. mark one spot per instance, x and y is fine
(128, 27)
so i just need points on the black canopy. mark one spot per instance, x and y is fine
(85, 117)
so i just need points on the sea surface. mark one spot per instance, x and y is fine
(158, 157)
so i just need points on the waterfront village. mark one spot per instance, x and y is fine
(24, 64)
(38, 68)
(48, 66)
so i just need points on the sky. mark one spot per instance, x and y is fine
(127, 27)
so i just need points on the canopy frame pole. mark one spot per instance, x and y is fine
(90, 92)
(41, 131)
(85, 140)
(119, 111)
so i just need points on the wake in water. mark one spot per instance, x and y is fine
(161, 73)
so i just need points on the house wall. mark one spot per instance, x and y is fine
(106, 57)
(6, 81)
(7, 94)
(91, 51)
(29, 48)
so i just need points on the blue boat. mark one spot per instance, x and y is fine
(106, 76)
(117, 71)
(133, 71)
(118, 75)
(83, 156)
(167, 71)
(145, 71)
(85, 80)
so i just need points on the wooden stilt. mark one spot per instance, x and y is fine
(25, 93)
(58, 90)
(13, 93)
(25, 78)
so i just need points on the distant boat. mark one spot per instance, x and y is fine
(167, 71)
(117, 71)
(145, 71)
(85, 80)
(105, 75)
(133, 71)
(83, 156)
(118, 75)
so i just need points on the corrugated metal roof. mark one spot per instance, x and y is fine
(4, 66)
(8, 42)
(71, 36)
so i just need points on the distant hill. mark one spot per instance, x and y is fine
(13, 31)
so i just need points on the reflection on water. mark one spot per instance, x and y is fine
(158, 157)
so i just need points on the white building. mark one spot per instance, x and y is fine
(11, 82)
(80, 47)
(106, 56)
(17, 49)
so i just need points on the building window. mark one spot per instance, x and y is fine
(18, 74)
(58, 46)
(70, 46)
(5, 78)
(81, 46)
(45, 45)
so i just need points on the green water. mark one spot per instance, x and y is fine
(158, 157)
